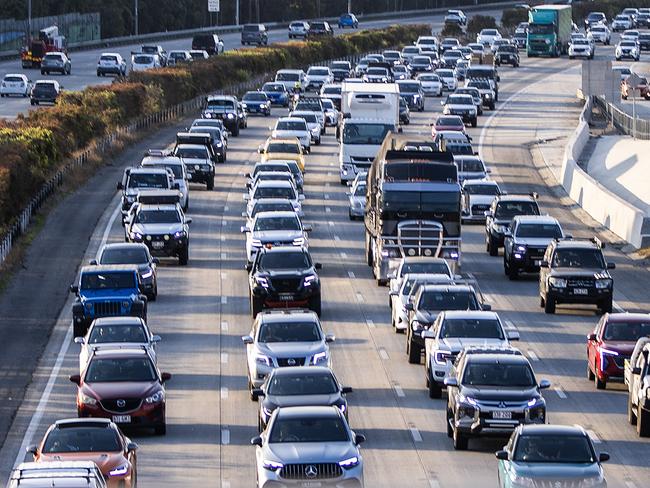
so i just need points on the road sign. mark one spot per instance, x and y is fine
(634, 80)
(213, 5)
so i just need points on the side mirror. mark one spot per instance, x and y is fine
(502, 455)
(120, 186)
(75, 378)
(318, 266)
(155, 261)
(442, 102)
(636, 370)
(301, 198)
(591, 337)
(346, 389)
(249, 185)
(543, 264)
(258, 392)
(486, 307)
(188, 220)
(33, 450)
(330, 338)
(79, 340)
(248, 266)
(488, 213)
(513, 335)
(131, 446)
(244, 229)
(544, 384)
(611, 265)
(246, 197)
(74, 289)
(156, 338)
(451, 382)
(603, 456)
(428, 334)
(260, 149)
(393, 293)
(165, 377)
(409, 307)
(247, 339)
(256, 441)
(498, 78)
(176, 186)
(359, 439)
(307, 228)
(93, 262)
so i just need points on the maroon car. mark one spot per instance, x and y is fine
(125, 386)
(611, 343)
(447, 122)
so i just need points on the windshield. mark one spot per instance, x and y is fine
(273, 87)
(104, 370)
(82, 439)
(539, 230)
(283, 147)
(44, 88)
(396, 201)
(177, 169)
(445, 73)
(142, 59)
(126, 255)
(460, 100)
(148, 180)
(365, 133)
(481, 189)
(277, 223)
(540, 29)
(287, 77)
(107, 281)
(221, 104)
(429, 78)
(270, 168)
(318, 71)
(580, 42)
(507, 210)
(454, 120)
(317, 429)
(340, 65)
(108, 58)
(447, 300)
(452, 54)
(275, 192)
(626, 331)
(158, 217)
(332, 90)
(307, 384)
(284, 260)
(411, 50)
(471, 165)
(177, 55)
(569, 449)
(472, 328)
(437, 267)
(290, 125)
(628, 44)
(251, 28)
(578, 258)
(360, 191)
(496, 374)
(289, 332)
(507, 49)
(255, 97)
(310, 118)
(101, 334)
(377, 71)
(271, 207)
(489, 32)
(421, 60)
(481, 85)
(192, 152)
(409, 87)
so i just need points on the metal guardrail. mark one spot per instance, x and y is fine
(635, 127)
(101, 146)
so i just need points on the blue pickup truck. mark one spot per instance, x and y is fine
(106, 291)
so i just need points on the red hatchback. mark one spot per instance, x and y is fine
(125, 386)
(447, 122)
(611, 343)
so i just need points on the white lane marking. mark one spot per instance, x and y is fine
(224, 223)
(594, 437)
(226, 208)
(415, 433)
(224, 275)
(224, 325)
(344, 256)
(383, 354)
(225, 436)
(224, 300)
(630, 484)
(351, 275)
(327, 197)
(560, 392)
(370, 324)
(224, 256)
(224, 393)
(331, 164)
(399, 391)
(225, 484)
(337, 238)
(328, 210)
(617, 307)
(45, 396)
(224, 357)
(330, 223)
(433, 483)
(223, 238)
(532, 355)
(359, 297)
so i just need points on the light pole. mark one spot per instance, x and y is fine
(29, 19)
(135, 8)
(236, 12)
(349, 6)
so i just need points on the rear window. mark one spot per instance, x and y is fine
(82, 439)
(107, 281)
(109, 58)
(142, 59)
(13, 79)
(252, 28)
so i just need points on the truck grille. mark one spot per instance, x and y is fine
(286, 285)
(420, 238)
(284, 362)
(315, 471)
(581, 283)
(107, 309)
(121, 405)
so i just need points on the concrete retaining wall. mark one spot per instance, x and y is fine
(619, 216)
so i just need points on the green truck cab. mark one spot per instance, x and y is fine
(549, 30)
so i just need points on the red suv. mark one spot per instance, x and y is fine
(611, 343)
(125, 386)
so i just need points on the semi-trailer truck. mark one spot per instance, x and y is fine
(549, 30)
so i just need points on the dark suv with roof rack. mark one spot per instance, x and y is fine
(575, 271)
(504, 208)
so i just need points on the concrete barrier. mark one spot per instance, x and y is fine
(619, 216)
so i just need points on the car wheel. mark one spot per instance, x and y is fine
(606, 306)
(435, 391)
(474, 122)
(460, 441)
(590, 373)
(210, 184)
(42, 72)
(32, 102)
(369, 260)
(492, 248)
(252, 395)
(642, 421)
(631, 414)
(315, 305)
(600, 384)
(450, 429)
(513, 273)
(184, 255)
(235, 131)
(257, 306)
(414, 352)
(98, 74)
(260, 426)
(549, 305)
(160, 429)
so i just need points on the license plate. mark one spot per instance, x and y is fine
(501, 415)
(311, 484)
(580, 291)
(538, 262)
(286, 297)
(157, 244)
(122, 419)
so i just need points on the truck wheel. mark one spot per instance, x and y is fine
(210, 184)
(606, 306)
(79, 329)
(183, 255)
(368, 251)
(253, 396)
(413, 352)
(460, 441)
(631, 414)
(549, 305)
(642, 421)
(160, 429)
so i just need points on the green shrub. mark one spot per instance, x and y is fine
(511, 17)
(479, 22)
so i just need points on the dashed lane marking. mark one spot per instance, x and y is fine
(224, 325)
(383, 354)
(399, 391)
(370, 324)
(226, 208)
(359, 297)
(330, 223)
(415, 433)
(224, 256)
(224, 357)
(224, 393)
(223, 238)
(328, 210)
(224, 300)
(344, 256)
(351, 275)
(327, 197)
(337, 238)
(225, 436)
(532, 355)
(560, 392)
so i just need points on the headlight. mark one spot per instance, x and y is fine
(309, 280)
(349, 463)
(179, 234)
(272, 465)
(137, 236)
(231, 116)
(557, 282)
(547, 41)
(87, 400)
(157, 397)
(319, 358)
(119, 471)
(256, 243)
(148, 238)
(263, 282)
(441, 357)
(521, 248)
(263, 359)
(603, 283)
(299, 241)
(445, 110)
(342, 407)
(148, 274)
(263, 105)
(417, 325)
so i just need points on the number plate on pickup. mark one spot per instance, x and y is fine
(538, 262)
(499, 414)
(580, 291)
(157, 244)
(122, 419)
(286, 297)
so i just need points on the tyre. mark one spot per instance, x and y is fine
(549, 305)
(184, 255)
(492, 106)
(600, 384)
(413, 351)
(435, 391)
(606, 306)
(631, 414)
(450, 429)
(513, 273)
(160, 429)
(99, 74)
(79, 329)
(322, 131)
(42, 72)
(369, 260)
(474, 122)
(32, 102)
(235, 131)
(317, 142)
(210, 184)
(257, 306)
(460, 441)
(260, 427)
(492, 248)
(642, 421)
(252, 395)
(590, 373)
(315, 304)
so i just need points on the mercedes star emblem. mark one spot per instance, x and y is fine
(311, 471)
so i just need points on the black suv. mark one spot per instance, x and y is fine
(319, 29)
(507, 55)
(254, 34)
(283, 277)
(503, 209)
(490, 393)
(227, 108)
(575, 271)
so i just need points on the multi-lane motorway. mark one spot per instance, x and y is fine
(203, 309)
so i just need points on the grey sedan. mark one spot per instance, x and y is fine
(57, 62)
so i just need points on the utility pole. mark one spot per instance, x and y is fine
(135, 16)
(236, 12)
(349, 6)
(29, 19)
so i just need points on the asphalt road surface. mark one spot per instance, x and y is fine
(202, 311)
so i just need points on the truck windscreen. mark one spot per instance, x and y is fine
(434, 201)
(365, 133)
(540, 29)
(415, 171)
